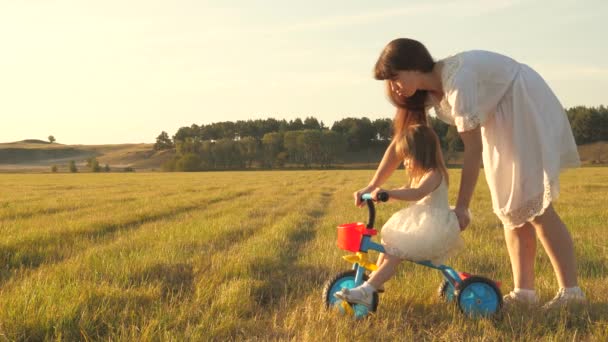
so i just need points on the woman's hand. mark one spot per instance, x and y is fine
(358, 194)
(464, 217)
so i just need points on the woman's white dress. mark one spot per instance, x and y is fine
(527, 138)
(427, 230)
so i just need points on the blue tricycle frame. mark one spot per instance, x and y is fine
(475, 296)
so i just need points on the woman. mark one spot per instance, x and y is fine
(506, 114)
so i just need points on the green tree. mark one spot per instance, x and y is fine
(227, 154)
(441, 128)
(249, 150)
(359, 132)
(312, 123)
(383, 129)
(309, 146)
(94, 165)
(163, 142)
(272, 144)
(333, 145)
(51, 139)
(206, 155)
(72, 166)
(291, 146)
(188, 162)
(453, 142)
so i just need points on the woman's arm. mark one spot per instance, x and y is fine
(387, 166)
(470, 172)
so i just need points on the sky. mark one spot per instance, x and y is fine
(122, 71)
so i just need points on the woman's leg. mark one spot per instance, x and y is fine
(557, 242)
(521, 244)
(387, 270)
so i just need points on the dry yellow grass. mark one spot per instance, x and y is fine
(244, 255)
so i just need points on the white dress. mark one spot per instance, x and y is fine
(526, 136)
(426, 230)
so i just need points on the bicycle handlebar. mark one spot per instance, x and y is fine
(382, 196)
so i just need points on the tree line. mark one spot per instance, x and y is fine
(271, 143)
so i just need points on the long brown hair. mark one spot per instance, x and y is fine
(420, 145)
(407, 55)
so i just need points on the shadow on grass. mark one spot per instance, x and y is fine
(283, 279)
(97, 317)
(176, 280)
(45, 211)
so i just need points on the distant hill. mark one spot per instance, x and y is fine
(35, 141)
(38, 155)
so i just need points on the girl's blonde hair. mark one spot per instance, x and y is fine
(420, 145)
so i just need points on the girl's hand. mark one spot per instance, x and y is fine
(358, 194)
(464, 217)
(375, 193)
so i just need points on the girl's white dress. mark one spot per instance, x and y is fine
(427, 230)
(526, 136)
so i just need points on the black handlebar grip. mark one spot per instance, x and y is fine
(382, 196)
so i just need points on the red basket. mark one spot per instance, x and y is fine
(350, 235)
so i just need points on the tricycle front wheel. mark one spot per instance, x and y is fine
(346, 280)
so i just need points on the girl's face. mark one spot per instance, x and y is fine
(404, 84)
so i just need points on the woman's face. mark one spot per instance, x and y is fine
(404, 84)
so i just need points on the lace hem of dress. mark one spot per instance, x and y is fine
(467, 122)
(532, 208)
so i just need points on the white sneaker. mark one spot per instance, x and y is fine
(355, 296)
(566, 297)
(518, 298)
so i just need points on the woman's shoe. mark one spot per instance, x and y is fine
(566, 297)
(514, 298)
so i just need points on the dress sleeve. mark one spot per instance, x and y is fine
(464, 102)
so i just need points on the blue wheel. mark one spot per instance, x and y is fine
(478, 297)
(337, 283)
(446, 291)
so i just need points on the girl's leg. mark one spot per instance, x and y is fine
(521, 244)
(364, 294)
(557, 242)
(387, 270)
(380, 260)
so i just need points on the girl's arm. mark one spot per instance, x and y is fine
(470, 172)
(428, 184)
(387, 166)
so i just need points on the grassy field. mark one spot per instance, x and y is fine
(244, 255)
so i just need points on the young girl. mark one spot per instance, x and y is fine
(426, 230)
(507, 115)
